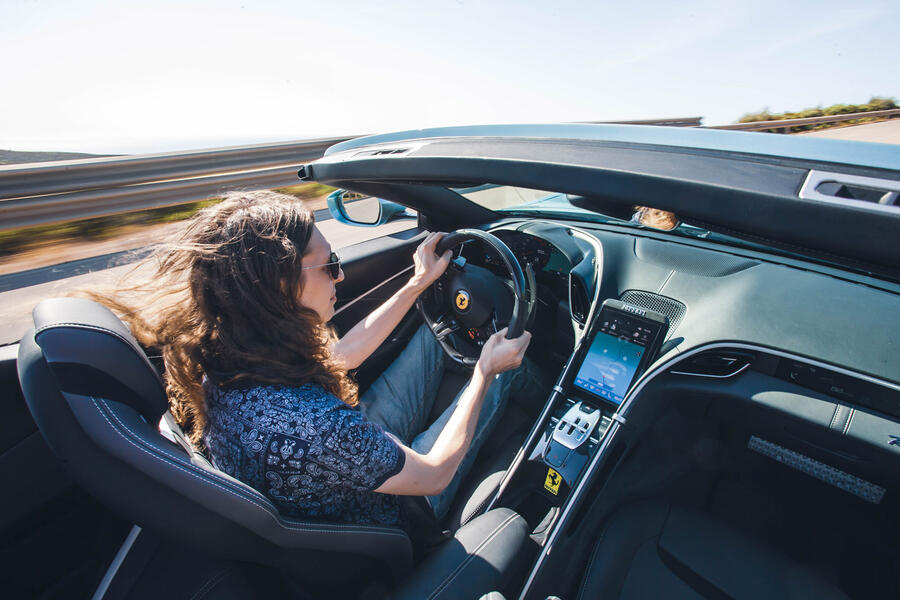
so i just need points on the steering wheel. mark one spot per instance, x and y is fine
(468, 303)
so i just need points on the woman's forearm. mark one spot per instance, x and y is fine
(431, 473)
(361, 341)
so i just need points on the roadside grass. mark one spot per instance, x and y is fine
(100, 228)
(874, 104)
(306, 191)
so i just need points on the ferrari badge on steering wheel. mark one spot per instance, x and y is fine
(462, 299)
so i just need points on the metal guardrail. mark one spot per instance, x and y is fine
(788, 123)
(41, 193)
(678, 122)
(51, 192)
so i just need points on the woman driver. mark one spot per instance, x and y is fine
(254, 372)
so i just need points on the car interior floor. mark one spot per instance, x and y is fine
(703, 463)
(63, 552)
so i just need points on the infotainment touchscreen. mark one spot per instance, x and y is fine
(621, 348)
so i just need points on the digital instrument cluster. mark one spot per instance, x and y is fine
(543, 256)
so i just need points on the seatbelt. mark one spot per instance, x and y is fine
(171, 430)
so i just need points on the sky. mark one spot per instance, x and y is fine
(138, 77)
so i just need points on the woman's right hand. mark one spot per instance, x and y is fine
(500, 354)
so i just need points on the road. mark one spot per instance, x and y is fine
(885, 132)
(26, 289)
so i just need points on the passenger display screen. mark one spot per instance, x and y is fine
(614, 356)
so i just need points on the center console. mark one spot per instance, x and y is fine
(617, 347)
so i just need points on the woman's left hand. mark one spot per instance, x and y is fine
(429, 266)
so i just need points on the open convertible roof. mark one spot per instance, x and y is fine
(830, 199)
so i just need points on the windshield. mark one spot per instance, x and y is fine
(507, 198)
(511, 199)
(520, 201)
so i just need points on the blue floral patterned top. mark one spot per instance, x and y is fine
(308, 452)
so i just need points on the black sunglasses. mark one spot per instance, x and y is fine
(333, 264)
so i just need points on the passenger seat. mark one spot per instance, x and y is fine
(656, 550)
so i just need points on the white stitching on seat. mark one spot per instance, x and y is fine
(453, 575)
(210, 583)
(163, 453)
(466, 517)
(207, 478)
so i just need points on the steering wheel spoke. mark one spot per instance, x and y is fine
(458, 264)
(497, 324)
(443, 327)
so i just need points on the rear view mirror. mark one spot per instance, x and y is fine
(625, 211)
(352, 208)
(363, 210)
(655, 218)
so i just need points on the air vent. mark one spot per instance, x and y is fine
(673, 309)
(383, 152)
(857, 192)
(717, 364)
(390, 151)
(869, 192)
(579, 303)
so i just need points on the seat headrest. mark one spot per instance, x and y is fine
(92, 353)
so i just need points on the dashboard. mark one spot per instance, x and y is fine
(710, 293)
(795, 361)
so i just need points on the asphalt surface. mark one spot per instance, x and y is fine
(22, 279)
(885, 132)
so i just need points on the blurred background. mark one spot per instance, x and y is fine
(98, 80)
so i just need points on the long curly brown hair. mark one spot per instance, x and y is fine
(222, 301)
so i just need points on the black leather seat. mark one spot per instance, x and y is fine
(655, 550)
(98, 403)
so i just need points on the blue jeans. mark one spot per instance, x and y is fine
(401, 400)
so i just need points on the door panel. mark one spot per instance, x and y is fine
(367, 265)
(55, 540)
(31, 475)
(371, 262)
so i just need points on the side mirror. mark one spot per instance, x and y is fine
(352, 208)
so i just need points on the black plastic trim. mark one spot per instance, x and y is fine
(755, 201)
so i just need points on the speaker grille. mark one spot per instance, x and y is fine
(673, 309)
